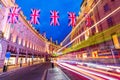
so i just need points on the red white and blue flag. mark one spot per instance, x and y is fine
(54, 18)
(72, 18)
(13, 15)
(35, 15)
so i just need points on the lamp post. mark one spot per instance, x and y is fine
(114, 59)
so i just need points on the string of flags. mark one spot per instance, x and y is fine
(35, 16)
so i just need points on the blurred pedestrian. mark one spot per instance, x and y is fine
(21, 62)
(5, 68)
(52, 65)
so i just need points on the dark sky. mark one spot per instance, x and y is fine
(63, 6)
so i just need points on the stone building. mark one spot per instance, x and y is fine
(98, 28)
(20, 39)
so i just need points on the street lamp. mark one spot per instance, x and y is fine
(114, 59)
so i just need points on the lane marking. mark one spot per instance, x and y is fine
(44, 75)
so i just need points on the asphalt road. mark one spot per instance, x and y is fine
(72, 75)
(34, 72)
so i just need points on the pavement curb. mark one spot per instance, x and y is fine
(14, 69)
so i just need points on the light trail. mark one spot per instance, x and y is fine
(117, 9)
(81, 21)
(78, 72)
(94, 75)
(104, 72)
(75, 72)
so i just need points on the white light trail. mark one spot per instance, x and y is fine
(90, 28)
(75, 72)
(89, 72)
(101, 71)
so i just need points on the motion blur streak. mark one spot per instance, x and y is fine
(76, 69)
(104, 72)
(92, 74)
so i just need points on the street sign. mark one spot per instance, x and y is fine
(8, 54)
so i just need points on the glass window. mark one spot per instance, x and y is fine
(17, 39)
(10, 38)
(106, 7)
(112, 0)
(22, 42)
(116, 41)
(110, 21)
(93, 31)
(1, 5)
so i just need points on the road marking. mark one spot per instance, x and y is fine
(44, 75)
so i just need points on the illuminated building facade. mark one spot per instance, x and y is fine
(21, 39)
(52, 48)
(98, 26)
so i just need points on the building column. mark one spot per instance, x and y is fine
(17, 57)
(3, 49)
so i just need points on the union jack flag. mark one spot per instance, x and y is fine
(72, 18)
(54, 16)
(13, 15)
(35, 15)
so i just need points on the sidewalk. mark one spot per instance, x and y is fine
(56, 74)
(14, 67)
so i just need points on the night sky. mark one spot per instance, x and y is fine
(63, 6)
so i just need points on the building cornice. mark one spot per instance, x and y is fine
(32, 29)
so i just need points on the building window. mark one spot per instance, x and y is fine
(10, 38)
(116, 41)
(101, 1)
(25, 43)
(22, 42)
(82, 29)
(91, 14)
(93, 31)
(106, 7)
(1, 5)
(112, 0)
(86, 4)
(17, 39)
(110, 21)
